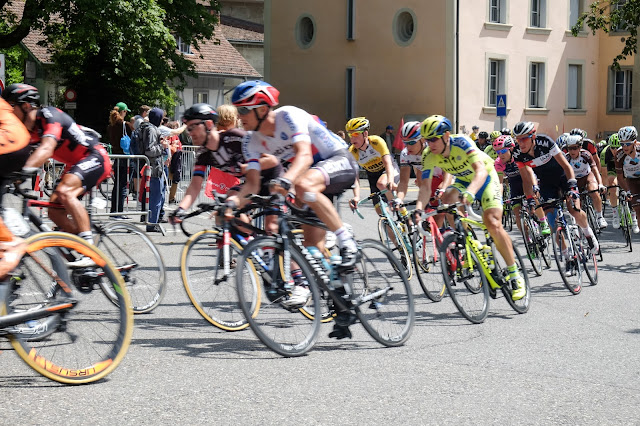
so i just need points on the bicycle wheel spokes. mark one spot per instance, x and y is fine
(90, 339)
(588, 258)
(384, 302)
(213, 293)
(427, 265)
(566, 259)
(394, 242)
(529, 236)
(465, 282)
(139, 262)
(284, 330)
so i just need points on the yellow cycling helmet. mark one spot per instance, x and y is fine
(435, 126)
(358, 124)
(494, 135)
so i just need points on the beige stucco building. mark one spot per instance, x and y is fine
(408, 59)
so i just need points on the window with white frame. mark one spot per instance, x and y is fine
(538, 14)
(622, 85)
(496, 81)
(576, 8)
(498, 11)
(616, 5)
(574, 83)
(183, 47)
(536, 85)
(201, 96)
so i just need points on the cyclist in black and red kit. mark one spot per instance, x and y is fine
(60, 138)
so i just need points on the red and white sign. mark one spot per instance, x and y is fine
(1, 86)
(70, 95)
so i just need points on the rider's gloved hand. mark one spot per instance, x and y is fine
(573, 188)
(602, 188)
(353, 203)
(530, 203)
(177, 216)
(536, 189)
(417, 215)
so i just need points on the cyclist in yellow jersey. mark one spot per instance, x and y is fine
(476, 179)
(372, 153)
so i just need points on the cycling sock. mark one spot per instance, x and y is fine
(599, 214)
(513, 270)
(87, 236)
(344, 236)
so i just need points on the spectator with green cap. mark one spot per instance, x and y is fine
(122, 107)
(116, 129)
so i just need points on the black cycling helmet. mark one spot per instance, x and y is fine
(483, 135)
(20, 93)
(200, 112)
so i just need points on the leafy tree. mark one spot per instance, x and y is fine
(117, 50)
(603, 16)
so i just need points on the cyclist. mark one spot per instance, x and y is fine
(555, 175)
(607, 159)
(476, 179)
(372, 154)
(319, 167)
(588, 145)
(505, 163)
(482, 139)
(411, 157)
(588, 178)
(60, 138)
(627, 163)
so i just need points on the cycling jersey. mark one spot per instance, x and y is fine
(227, 158)
(630, 167)
(491, 152)
(371, 157)
(292, 125)
(607, 159)
(583, 164)
(510, 171)
(415, 161)
(14, 140)
(72, 143)
(542, 161)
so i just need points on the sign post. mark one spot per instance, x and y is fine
(501, 108)
(70, 97)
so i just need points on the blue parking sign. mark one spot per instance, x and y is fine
(501, 105)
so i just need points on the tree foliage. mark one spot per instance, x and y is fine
(602, 15)
(116, 50)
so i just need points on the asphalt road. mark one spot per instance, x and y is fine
(569, 360)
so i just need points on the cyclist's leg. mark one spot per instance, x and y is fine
(67, 193)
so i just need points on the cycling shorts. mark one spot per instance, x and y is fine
(93, 168)
(588, 179)
(489, 195)
(634, 188)
(266, 177)
(555, 188)
(340, 172)
(14, 161)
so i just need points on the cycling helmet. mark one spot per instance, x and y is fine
(483, 135)
(435, 126)
(574, 140)
(628, 133)
(494, 135)
(200, 112)
(506, 131)
(255, 92)
(614, 141)
(410, 131)
(577, 131)
(358, 124)
(524, 128)
(602, 144)
(503, 141)
(20, 93)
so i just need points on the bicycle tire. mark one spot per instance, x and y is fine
(521, 306)
(530, 237)
(389, 317)
(139, 262)
(627, 225)
(200, 267)
(588, 258)
(471, 300)
(571, 274)
(592, 220)
(285, 331)
(399, 249)
(427, 265)
(95, 334)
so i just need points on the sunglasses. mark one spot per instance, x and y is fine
(192, 127)
(432, 140)
(573, 147)
(352, 134)
(244, 110)
(411, 143)
(627, 143)
(502, 151)
(520, 138)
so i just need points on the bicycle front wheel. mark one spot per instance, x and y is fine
(427, 264)
(565, 254)
(394, 241)
(587, 258)
(466, 283)
(382, 298)
(90, 339)
(529, 236)
(212, 293)
(139, 262)
(280, 326)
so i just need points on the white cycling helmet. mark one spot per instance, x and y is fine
(410, 131)
(524, 128)
(572, 140)
(628, 133)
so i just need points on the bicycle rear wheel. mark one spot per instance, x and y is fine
(284, 330)
(587, 258)
(395, 242)
(139, 262)
(213, 294)
(568, 266)
(91, 338)
(383, 300)
(626, 224)
(464, 278)
(529, 236)
(427, 264)
(500, 272)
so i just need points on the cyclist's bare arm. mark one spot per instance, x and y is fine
(192, 192)
(479, 177)
(391, 172)
(562, 160)
(302, 162)
(43, 153)
(447, 181)
(403, 185)
(424, 193)
(251, 186)
(527, 181)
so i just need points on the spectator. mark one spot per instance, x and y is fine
(474, 133)
(388, 138)
(116, 129)
(342, 134)
(175, 162)
(143, 115)
(154, 148)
